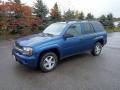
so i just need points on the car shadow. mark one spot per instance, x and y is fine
(74, 58)
(23, 70)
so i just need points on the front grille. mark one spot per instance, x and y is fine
(18, 45)
(18, 48)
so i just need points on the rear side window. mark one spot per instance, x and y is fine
(74, 30)
(87, 28)
(97, 26)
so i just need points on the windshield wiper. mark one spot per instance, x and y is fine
(49, 34)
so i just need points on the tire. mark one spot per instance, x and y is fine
(97, 49)
(48, 62)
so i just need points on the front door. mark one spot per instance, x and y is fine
(71, 44)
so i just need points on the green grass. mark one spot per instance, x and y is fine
(1, 38)
(115, 29)
(8, 37)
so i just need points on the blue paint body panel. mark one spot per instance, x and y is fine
(65, 47)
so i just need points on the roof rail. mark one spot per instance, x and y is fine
(76, 20)
(72, 20)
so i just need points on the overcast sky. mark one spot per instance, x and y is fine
(96, 7)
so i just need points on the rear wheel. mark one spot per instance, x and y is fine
(97, 49)
(48, 62)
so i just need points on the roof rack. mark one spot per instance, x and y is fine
(72, 20)
(76, 20)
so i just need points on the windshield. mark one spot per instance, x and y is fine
(55, 29)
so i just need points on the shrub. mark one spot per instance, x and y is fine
(1, 31)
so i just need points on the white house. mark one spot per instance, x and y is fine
(117, 23)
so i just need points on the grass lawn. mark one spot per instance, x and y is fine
(9, 37)
(1, 38)
(116, 29)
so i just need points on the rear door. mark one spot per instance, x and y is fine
(88, 35)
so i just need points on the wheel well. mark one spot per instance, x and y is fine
(54, 50)
(101, 41)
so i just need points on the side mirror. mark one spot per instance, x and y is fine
(67, 36)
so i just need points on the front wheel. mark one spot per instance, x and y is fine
(97, 49)
(48, 62)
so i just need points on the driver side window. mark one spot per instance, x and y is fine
(74, 30)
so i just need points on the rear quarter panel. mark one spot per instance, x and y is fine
(100, 31)
(101, 35)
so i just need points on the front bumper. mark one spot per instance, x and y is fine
(30, 61)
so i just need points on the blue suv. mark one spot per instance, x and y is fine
(58, 41)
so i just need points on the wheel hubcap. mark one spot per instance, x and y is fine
(49, 62)
(98, 49)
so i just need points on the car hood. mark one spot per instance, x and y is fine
(34, 39)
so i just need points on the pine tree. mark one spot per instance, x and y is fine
(55, 13)
(89, 16)
(69, 15)
(103, 20)
(17, 1)
(81, 16)
(107, 20)
(18, 12)
(40, 9)
(110, 20)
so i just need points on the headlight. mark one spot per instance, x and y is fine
(27, 51)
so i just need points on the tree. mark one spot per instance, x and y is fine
(18, 11)
(40, 9)
(9, 12)
(89, 16)
(77, 14)
(55, 13)
(69, 15)
(17, 1)
(103, 20)
(107, 21)
(110, 20)
(81, 16)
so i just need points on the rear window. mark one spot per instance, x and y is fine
(97, 26)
